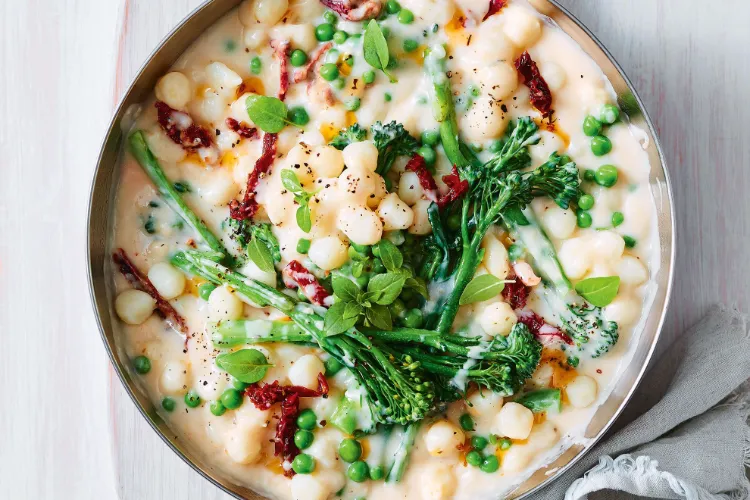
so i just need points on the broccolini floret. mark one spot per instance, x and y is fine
(392, 141)
(349, 135)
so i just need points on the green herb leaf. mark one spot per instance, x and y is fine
(303, 218)
(246, 365)
(344, 288)
(290, 181)
(599, 291)
(385, 288)
(375, 48)
(379, 316)
(353, 310)
(418, 285)
(390, 255)
(481, 288)
(336, 321)
(268, 113)
(541, 400)
(260, 255)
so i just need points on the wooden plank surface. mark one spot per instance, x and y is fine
(68, 429)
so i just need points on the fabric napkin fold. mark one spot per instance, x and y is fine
(694, 442)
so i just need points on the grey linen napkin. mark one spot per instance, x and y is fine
(693, 442)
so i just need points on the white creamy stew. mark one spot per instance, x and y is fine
(381, 250)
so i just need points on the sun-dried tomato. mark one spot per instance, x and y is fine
(355, 10)
(141, 282)
(515, 293)
(281, 51)
(456, 188)
(180, 127)
(417, 165)
(495, 6)
(242, 129)
(249, 205)
(302, 73)
(297, 275)
(263, 396)
(541, 329)
(540, 95)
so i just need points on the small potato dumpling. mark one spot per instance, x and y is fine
(328, 253)
(558, 222)
(409, 188)
(134, 306)
(514, 421)
(357, 184)
(443, 438)
(302, 36)
(544, 436)
(312, 486)
(499, 80)
(304, 372)
(421, 224)
(581, 391)
(498, 319)
(174, 89)
(554, 75)
(623, 311)
(163, 147)
(238, 109)
(575, 257)
(485, 120)
(298, 161)
(167, 280)
(270, 12)
(251, 270)
(362, 155)
(254, 36)
(246, 13)
(174, 378)
(632, 271)
(496, 259)
(222, 79)
(548, 143)
(395, 213)
(210, 107)
(489, 44)
(608, 246)
(243, 444)
(438, 481)
(521, 26)
(224, 305)
(327, 161)
(219, 189)
(484, 403)
(360, 224)
(380, 191)
(516, 459)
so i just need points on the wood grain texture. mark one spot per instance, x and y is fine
(66, 63)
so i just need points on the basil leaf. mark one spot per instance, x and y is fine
(268, 113)
(303, 218)
(259, 254)
(599, 291)
(390, 255)
(344, 288)
(353, 310)
(481, 288)
(290, 181)
(380, 317)
(418, 285)
(375, 48)
(385, 288)
(336, 322)
(246, 365)
(541, 400)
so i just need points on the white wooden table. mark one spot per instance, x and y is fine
(68, 430)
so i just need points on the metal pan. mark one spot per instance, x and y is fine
(101, 206)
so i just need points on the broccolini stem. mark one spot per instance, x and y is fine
(257, 331)
(401, 457)
(140, 150)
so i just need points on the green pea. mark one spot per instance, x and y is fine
(368, 77)
(217, 408)
(353, 104)
(142, 365)
(231, 398)
(515, 252)
(330, 17)
(386, 31)
(238, 384)
(479, 442)
(397, 308)
(303, 245)
(585, 202)
(192, 399)
(340, 37)
(377, 473)
(410, 45)
(454, 222)
(583, 218)
(489, 464)
(589, 175)
(329, 72)
(333, 366)
(358, 471)
(466, 422)
(256, 65)
(617, 219)
(350, 450)
(361, 249)
(324, 32)
(504, 443)
(474, 458)
(392, 7)
(307, 419)
(630, 242)
(298, 115)
(413, 318)
(303, 439)
(405, 16)
(428, 154)
(349, 61)
(205, 289)
(600, 145)
(168, 404)
(387, 97)
(591, 126)
(298, 57)
(339, 83)
(609, 114)
(303, 464)
(431, 137)
(606, 175)
(496, 146)
(332, 56)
